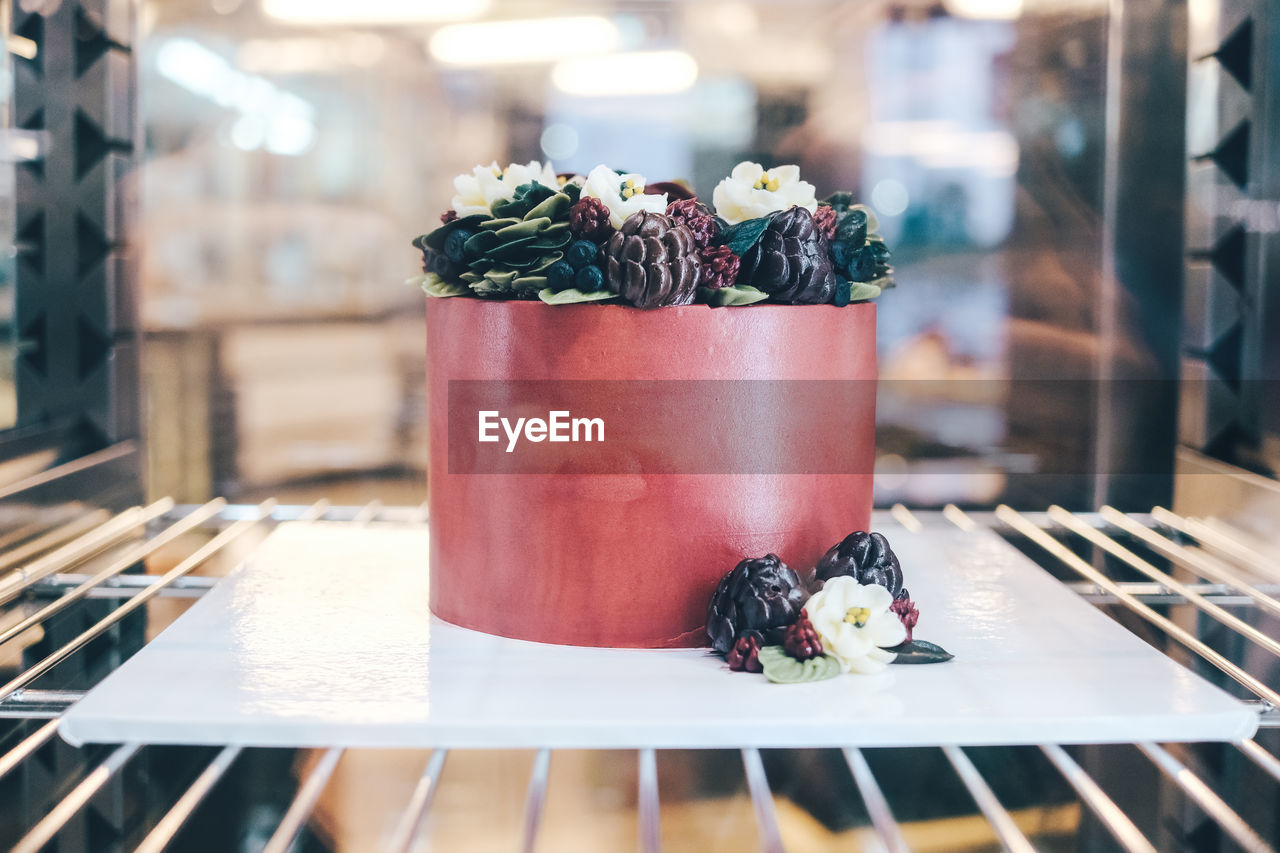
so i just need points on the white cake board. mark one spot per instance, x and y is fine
(323, 638)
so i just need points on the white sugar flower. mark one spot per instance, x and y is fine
(855, 624)
(476, 193)
(624, 195)
(751, 191)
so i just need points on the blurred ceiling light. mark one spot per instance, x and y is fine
(302, 55)
(268, 116)
(656, 72)
(559, 141)
(999, 10)
(372, 11)
(532, 40)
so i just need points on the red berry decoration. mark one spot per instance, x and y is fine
(719, 267)
(448, 216)
(824, 219)
(907, 612)
(745, 654)
(800, 640)
(701, 223)
(589, 220)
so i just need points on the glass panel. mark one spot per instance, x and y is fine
(291, 160)
(10, 149)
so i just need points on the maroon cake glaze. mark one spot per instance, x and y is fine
(631, 559)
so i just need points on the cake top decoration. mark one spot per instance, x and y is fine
(524, 232)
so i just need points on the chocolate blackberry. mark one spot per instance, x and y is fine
(759, 595)
(865, 557)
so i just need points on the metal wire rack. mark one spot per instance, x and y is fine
(1199, 590)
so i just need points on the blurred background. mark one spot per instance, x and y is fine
(293, 149)
(207, 209)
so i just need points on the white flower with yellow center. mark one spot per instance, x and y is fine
(624, 195)
(751, 191)
(476, 193)
(855, 624)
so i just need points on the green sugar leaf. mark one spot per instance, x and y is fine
(434, 285)
(500, 277)
(781, 668)
(742, 236)
(495, 224)
(569, 297)
(861, 291)
(526, 285)
(554, 207)
(741, 294)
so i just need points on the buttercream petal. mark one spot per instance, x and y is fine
(886, 629)
(747, 172)
(866, 665)
(785, 174)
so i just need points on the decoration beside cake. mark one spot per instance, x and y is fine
(858, 619)
(524, 232)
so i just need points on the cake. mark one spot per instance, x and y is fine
(710, 372)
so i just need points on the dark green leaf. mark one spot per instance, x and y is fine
(742, 236)
(435, 240)
(920, 651)
(840, 201)
(527, 196)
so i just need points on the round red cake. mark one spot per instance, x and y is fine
(630, 557)
(719, 361)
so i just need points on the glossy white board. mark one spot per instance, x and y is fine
(324, 638)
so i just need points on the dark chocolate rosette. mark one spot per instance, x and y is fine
(761, 595)
(652, 261)
(791, 261)
(865, 557)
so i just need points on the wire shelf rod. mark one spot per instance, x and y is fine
(415, 813)
(53, 822)
(163, 833)
(128, 559)
(1114, 548)
(1011, 837)
(59, 535)
(904, 516)
(304, 802)
(1219, 540)
(82, 547)
(535, 800)
(1199, 563)
(26, 747)
(762, 804)
(368, 513)
(1122, 829)
(648, 806)
(213, 546)
(1015, 520)
(886, 825)
(1261, 757)
(1203, 796)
